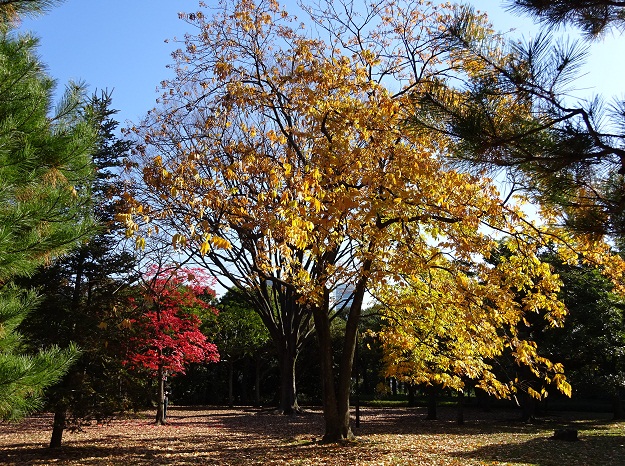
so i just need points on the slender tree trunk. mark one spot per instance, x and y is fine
(230, 383)
(257, 382)
(160, 397)
(58, 427)
(412, 401)
(528, 407)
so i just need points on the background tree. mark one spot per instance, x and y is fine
(81, 293)
(238, 332)
(46, 172)
(165, 335)
(441, 331)
(591, 343)
(283, 160)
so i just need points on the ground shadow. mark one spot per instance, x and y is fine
(591, 449)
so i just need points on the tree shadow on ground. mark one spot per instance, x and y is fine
(593, 449)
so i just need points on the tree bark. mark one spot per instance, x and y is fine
(528, 407)
(618, 412)
(432, 392)
(160, 397)
(58, 427)
(336, 398)
(288, 389)
(258, 363)
(328, 391)
(230, 383)
(460, 418)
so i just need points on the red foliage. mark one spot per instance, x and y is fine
(167, 334)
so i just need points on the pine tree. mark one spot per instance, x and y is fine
(80, 293)
(45, 178)
(593, 17)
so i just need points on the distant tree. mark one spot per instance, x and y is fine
(165, 335)
(238, 332)
(81, 293)
(593, 17)
(45, 193)
(591, 343)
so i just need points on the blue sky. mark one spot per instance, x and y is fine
(119, 45)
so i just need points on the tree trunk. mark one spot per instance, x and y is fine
(412, 400)
(618, 412)
(528, 407)
(58, 427)
(160, 397)
(336, 399)
(432, 391)
(288, 389)
(230, 383)
(460, 418)
(328, 389)
(257, 382)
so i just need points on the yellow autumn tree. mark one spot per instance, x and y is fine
(279, 158)
(449, 324)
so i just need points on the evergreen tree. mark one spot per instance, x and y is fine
(593, 17)
(45, 180)
(513, 112)
(239, 333)
(80, 293)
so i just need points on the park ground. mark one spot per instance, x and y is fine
(386, 436)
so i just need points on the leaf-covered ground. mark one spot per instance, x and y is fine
(390, 436)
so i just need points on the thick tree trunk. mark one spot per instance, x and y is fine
(333, 431)
(58, 427)
(160, 397)
(336, 399)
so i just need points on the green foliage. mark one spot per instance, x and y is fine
(81, 293)
(593, 17)
(238, 330)
(45, 177)
(11, 10)
(513, 111)
(591, 344)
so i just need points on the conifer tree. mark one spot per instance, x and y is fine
(45, 178)
(593, 17)
(80, 293)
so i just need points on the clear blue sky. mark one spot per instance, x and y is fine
(119, 45)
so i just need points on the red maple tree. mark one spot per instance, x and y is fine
(166, 334)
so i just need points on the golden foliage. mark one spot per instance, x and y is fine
(293, 154)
